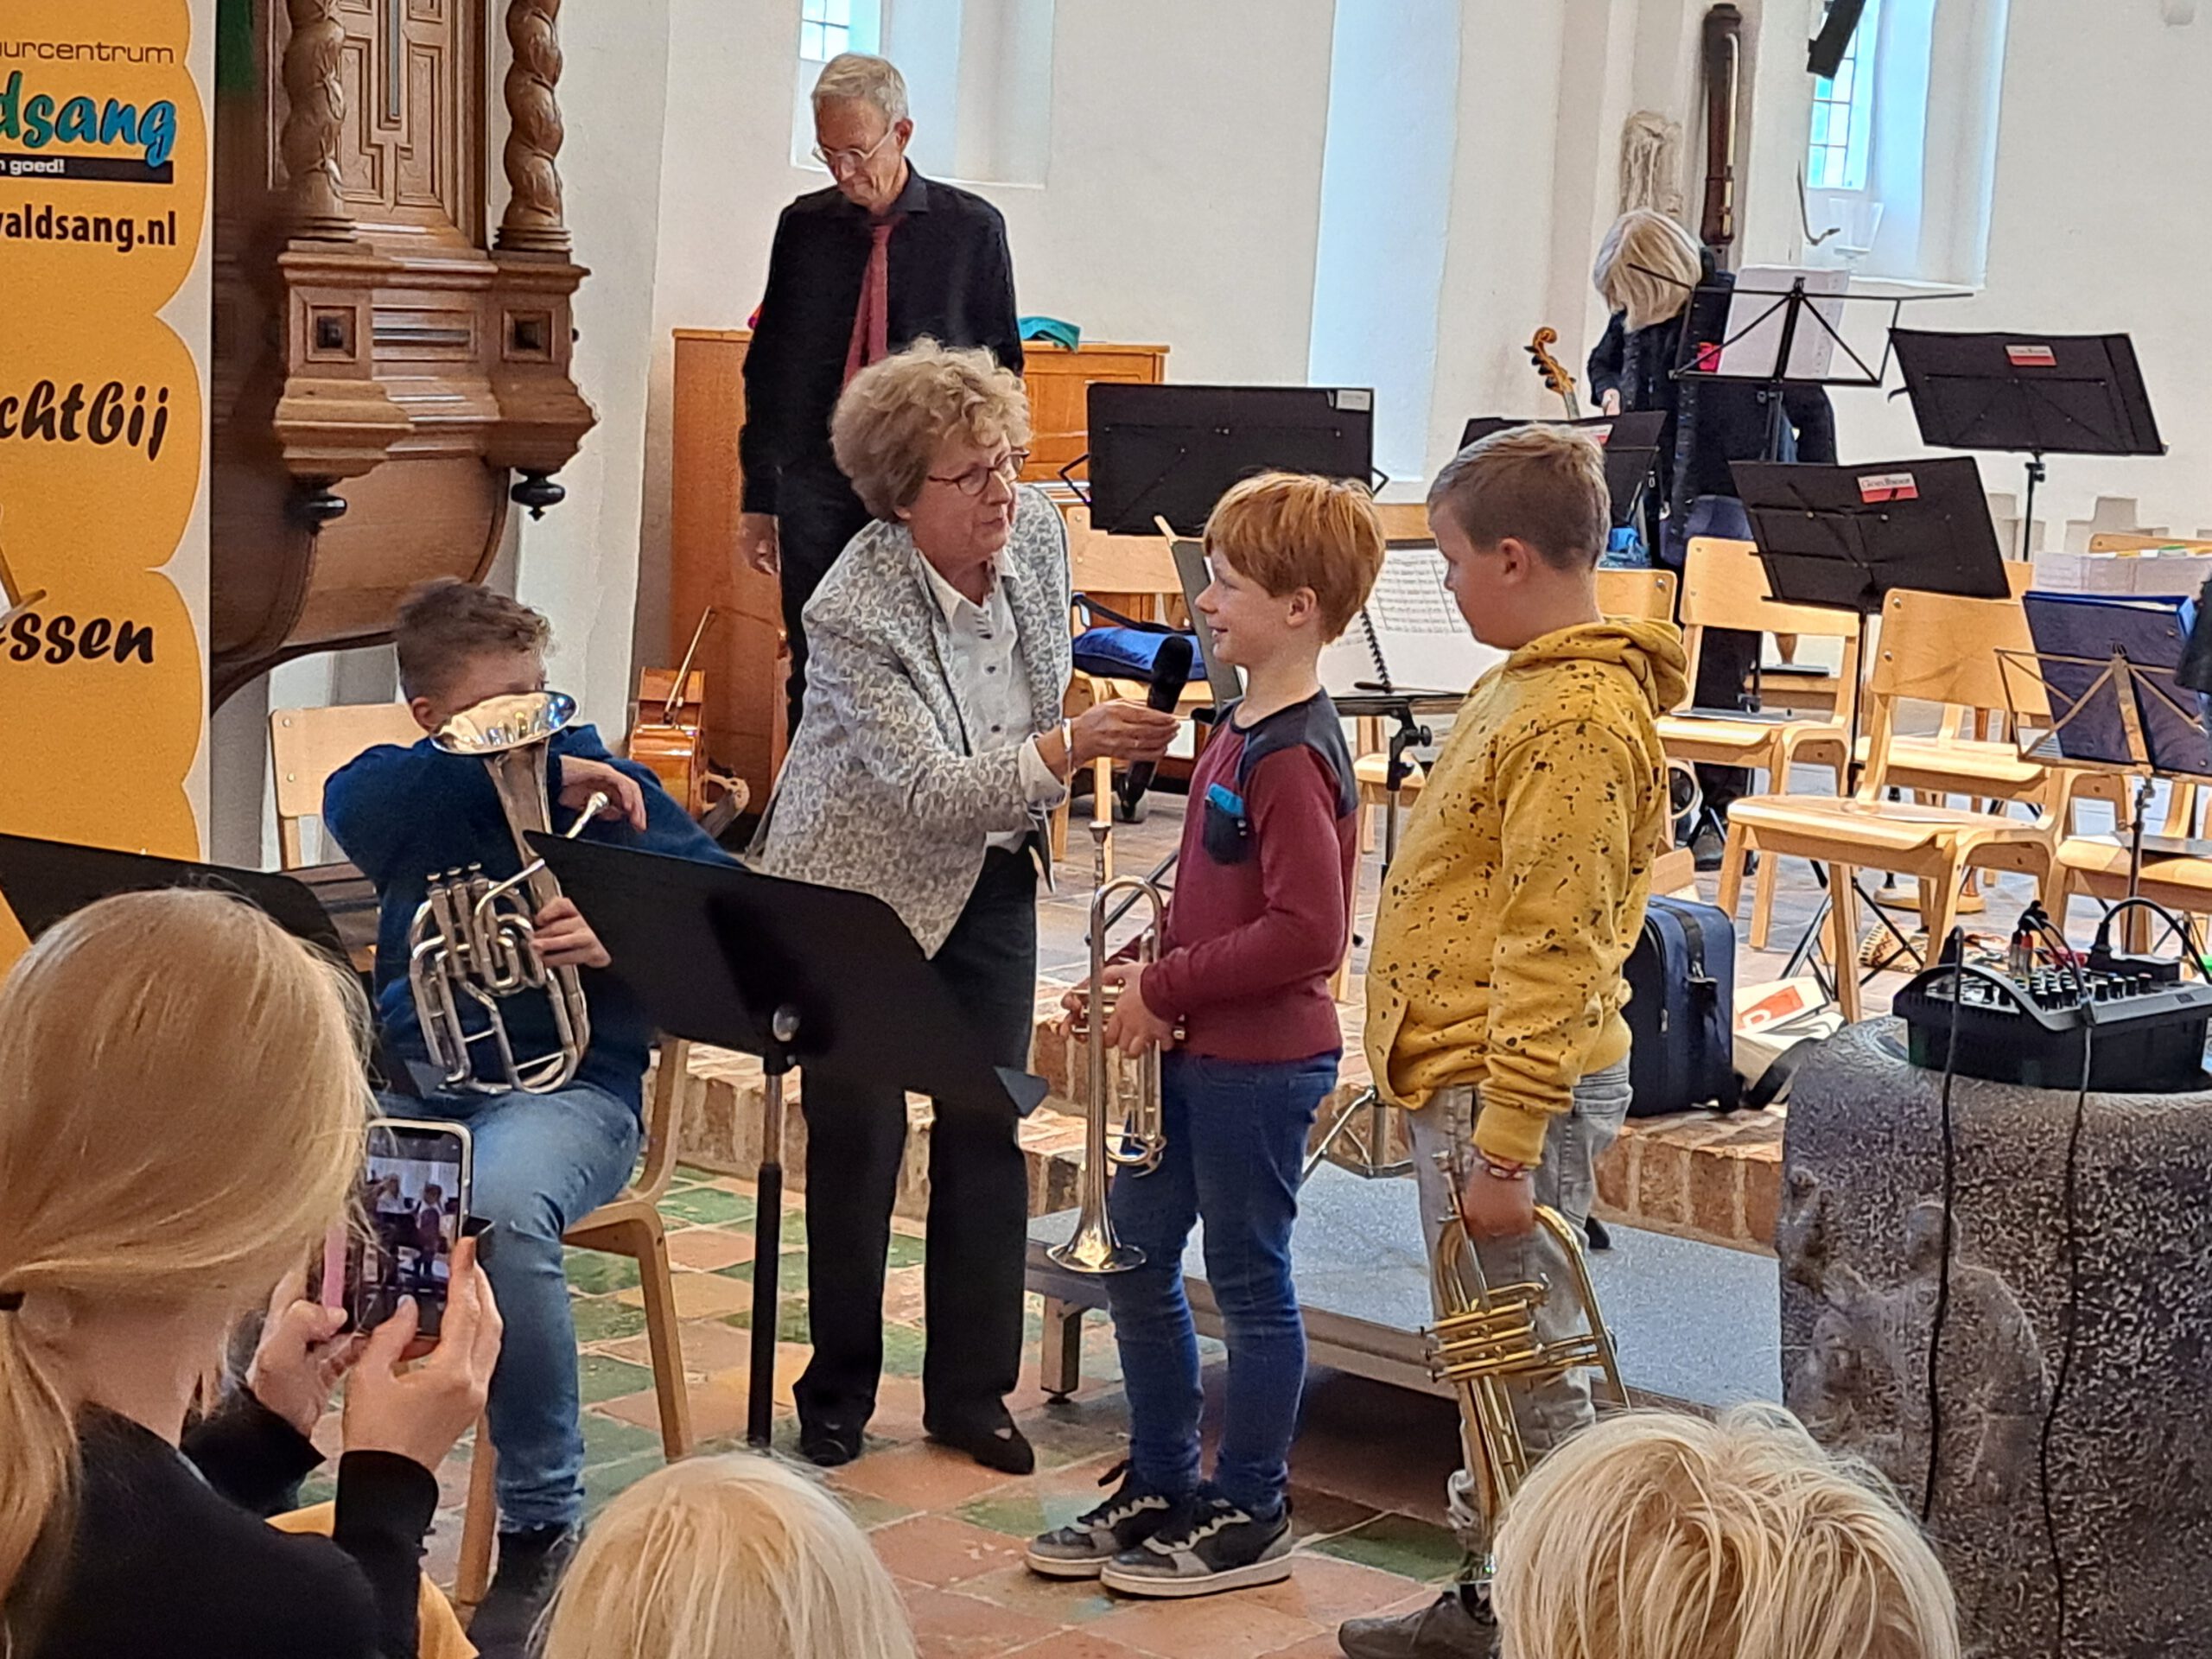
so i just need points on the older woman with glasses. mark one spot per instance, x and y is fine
(931, 748)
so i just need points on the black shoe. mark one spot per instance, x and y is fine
(1212, 1545)
(531, 1562)
(827, 1444)
(993, 1441)
(1082, 1548)
(1708, 846)
(1456, 1625)
(1594, 1231)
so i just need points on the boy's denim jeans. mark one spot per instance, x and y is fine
(1567, 1181)
(543, 1163)
(1236, 1148)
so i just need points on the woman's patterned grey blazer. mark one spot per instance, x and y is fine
(882, 791)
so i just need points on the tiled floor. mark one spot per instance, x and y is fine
(1367, 1507)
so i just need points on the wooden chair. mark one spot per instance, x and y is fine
(307, 744)
(1725, 587)
(1936, 648)
(2177, 867)
(1644, 596)
(630, 1225)
(2109, 541)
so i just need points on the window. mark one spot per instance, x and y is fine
(1843, 114)
(826, 28)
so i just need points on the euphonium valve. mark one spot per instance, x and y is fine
(473, 942)
(1117, 1135)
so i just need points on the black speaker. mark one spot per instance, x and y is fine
(1826, 55)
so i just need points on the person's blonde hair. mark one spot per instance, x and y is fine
(731, 1557)
(1288, 531)
(1647, 266)
(182, 1115)
(1540, 485)
(1658, 1535)
(889, 422)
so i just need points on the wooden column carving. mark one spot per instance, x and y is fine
(532, 223)
(315, 92)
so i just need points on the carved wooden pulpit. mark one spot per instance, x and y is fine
(384, 369)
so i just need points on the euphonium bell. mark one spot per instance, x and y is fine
(1486, 1341)
(1117, 1136)
(472, 942)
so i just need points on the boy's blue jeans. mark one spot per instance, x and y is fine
(1235, 1146)
(543, 1163)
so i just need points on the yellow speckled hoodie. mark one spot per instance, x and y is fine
(1520, 881)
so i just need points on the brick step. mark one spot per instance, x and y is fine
(1696, 1175)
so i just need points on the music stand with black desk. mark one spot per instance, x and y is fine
(797, 974)
(2028, 394)
(2103, 692)
(1844, 537)
(46, 880)
(1171, 451)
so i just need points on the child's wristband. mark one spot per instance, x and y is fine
(1505, 1169)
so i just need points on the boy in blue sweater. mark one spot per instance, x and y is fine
(542, 1161)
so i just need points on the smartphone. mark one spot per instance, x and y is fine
(414, 1205)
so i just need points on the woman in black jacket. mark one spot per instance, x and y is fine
(183, 1111)
(1669, 312)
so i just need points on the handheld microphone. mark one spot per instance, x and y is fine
(1171, 672)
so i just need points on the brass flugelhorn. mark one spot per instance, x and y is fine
(1486, 1342)
(473, 940)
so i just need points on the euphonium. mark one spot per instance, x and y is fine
(473, 938)
(1115, 1135)
(1486, 1340)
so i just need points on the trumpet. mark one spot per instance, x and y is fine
(1486, 1341)
(473, 940)
(1141, 1136)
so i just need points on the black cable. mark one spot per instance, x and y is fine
(2066, 1342)
(1958, 941)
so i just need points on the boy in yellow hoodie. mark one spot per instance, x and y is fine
(1494, 987)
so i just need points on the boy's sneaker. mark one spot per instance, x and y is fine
(1213, 1546)
(1124, 1521)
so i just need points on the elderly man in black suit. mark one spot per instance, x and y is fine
(881, 258)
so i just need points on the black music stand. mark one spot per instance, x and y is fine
(1631, 443)
(46, 880)
(2103, 692)
(1171, 451)
(1845, 537)
(797, 974)
(2028, 394)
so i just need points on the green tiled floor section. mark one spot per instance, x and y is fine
(1075, 1442)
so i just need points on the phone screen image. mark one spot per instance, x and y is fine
(414, 1198)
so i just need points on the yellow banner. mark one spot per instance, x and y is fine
(104, 180)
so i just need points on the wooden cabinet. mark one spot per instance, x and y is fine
(743, 654)
(1058, 380)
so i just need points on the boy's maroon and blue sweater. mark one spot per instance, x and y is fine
(1259, 916)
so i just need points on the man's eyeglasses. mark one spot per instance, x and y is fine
(849, 161)
(977, 479)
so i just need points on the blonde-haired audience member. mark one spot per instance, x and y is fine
(1656, 1536)
(734, 1557)
(183, 1117)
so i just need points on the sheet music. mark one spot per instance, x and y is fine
(1418, 628)
(1758, 294)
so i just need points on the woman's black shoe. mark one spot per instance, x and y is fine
(829, 1445)
(995, 1442)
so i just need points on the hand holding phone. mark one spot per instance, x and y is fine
(302, 1354)
(416, 1184)
(419, 1412)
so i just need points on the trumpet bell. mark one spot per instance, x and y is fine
(1095, 1250)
